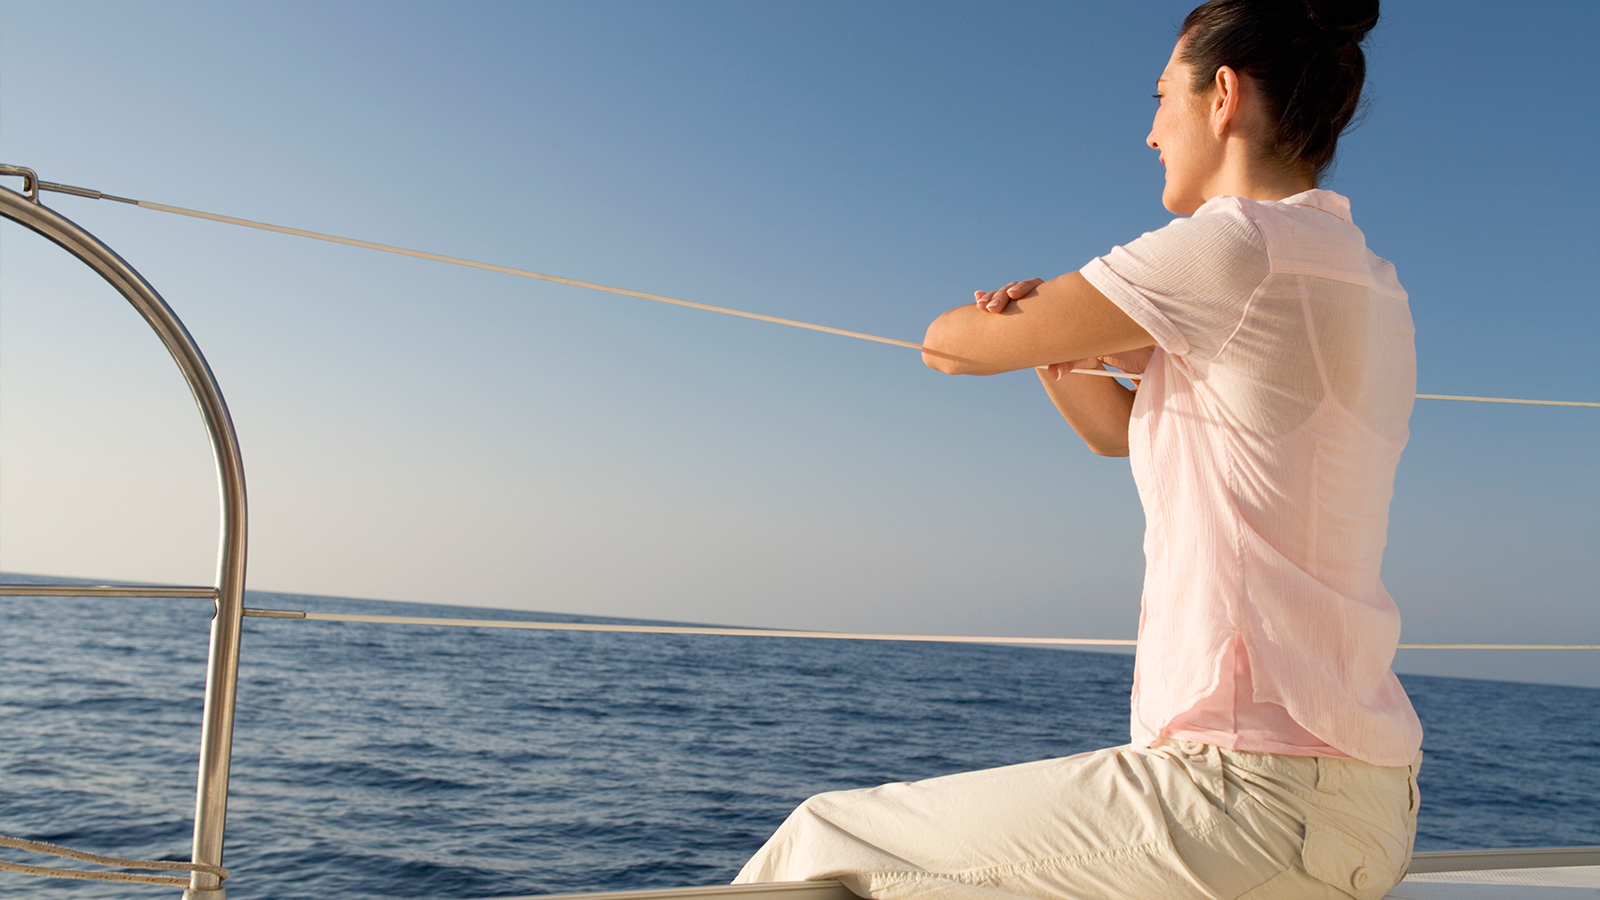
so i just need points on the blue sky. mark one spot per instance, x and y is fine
(418, 432)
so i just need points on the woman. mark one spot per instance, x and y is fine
(1273, 752)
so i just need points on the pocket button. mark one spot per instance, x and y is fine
(1360, 877)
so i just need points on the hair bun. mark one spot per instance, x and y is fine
(1351, 19)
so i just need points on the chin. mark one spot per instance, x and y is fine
(1178, 204)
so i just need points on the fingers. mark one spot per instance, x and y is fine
(1020, 289)
(1133, 361)
(997, 301)
(1058, 371)
(994, 301)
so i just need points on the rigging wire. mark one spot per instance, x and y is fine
(626, 292)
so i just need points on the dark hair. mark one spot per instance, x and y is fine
(1304, 56)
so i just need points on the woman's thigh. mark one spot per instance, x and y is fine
(1165, 822)
(1112, 823)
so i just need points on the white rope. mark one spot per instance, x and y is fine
(522, 273)
(1106, 373)
(100, 859)
(1506, 400)
(642, 295)
(815, 635)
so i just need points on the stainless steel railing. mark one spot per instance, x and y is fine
(222, 667)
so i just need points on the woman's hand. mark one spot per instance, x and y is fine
(997, 301)
(1132, 362)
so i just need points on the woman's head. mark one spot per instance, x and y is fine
(1298, 63)
(1304, 57)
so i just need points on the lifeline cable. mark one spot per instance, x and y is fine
(783, 633)
(642, 295)
(154, 590)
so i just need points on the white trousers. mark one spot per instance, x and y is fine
(1179, 820)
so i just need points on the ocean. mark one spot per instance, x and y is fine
(375, 761)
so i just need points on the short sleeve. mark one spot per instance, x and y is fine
(1188, 284)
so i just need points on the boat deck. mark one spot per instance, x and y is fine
(1556, 873)
(1556, 883)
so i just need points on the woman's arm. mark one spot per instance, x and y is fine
(1035, 323)
(1097, 408)
(1061, 319)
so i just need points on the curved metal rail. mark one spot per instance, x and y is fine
(222, 667)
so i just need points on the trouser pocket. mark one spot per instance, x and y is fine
(1365, 870)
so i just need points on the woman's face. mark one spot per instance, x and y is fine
(1182, 132)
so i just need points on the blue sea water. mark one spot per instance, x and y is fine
(376, 761)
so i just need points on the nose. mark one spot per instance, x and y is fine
(1150, 140)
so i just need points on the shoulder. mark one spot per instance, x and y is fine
(1190, 282)
(1220, 243)
(1223, 232)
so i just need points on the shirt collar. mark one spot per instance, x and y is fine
(1329, 202)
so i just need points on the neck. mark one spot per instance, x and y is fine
(1244, 173)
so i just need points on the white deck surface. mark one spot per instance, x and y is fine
(1562, 883)
(1537, 879)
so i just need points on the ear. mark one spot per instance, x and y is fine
(1227, 100)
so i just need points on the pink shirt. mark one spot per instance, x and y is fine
(1263, 441)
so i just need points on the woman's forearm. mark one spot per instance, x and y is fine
(1097, 408)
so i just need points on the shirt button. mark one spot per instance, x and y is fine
(1360, 877)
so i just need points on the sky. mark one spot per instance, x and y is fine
(418, 432)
